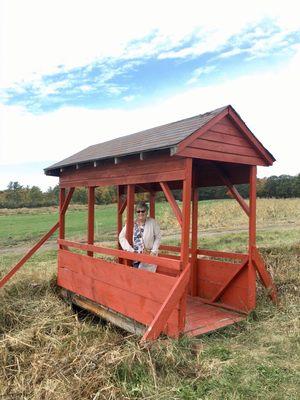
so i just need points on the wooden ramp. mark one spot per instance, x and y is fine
(202, 318)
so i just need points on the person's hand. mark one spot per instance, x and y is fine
(153, 253)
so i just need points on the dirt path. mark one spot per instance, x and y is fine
(52, 244)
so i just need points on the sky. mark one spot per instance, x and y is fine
(79, 72)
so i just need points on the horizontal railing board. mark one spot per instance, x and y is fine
(130, 304)
(163, 261)
(217, 271)
(206, 252)
(147, 284)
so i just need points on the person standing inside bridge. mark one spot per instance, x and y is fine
(146, 236)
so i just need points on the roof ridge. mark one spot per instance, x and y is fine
(157, 137)
(219, 109)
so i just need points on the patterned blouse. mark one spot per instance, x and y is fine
(138, 242)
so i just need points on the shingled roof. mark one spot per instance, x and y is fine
(160, 137)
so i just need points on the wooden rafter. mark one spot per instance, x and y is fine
(171, 199)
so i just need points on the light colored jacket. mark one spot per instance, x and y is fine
(151, 237)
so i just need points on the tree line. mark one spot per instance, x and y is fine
(17, 196)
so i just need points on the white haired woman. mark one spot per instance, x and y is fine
(146, 236)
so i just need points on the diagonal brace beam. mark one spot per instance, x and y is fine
(229, 281)
(122, 206)
(264, 275)
(67, 201)
(233, 190)
(26, 257)
(173, 298)
(171, 199)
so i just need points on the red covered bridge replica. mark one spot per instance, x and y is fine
(193, 290)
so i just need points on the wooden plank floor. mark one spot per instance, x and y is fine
(202, 318)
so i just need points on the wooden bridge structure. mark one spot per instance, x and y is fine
(194, 290)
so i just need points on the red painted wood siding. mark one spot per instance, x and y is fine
(134, 293)
(224, 142)
(212, 276)
(129, 171)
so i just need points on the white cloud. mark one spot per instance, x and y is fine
(26, 178)
(231, 53)
(129, 98)
(56, 36)
(40, 37)
(268, 102)
(86, 88)
(200, 71)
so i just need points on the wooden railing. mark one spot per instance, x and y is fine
(173, 298)
(209, 253)
(169, 263)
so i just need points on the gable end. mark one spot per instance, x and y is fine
(226, 139)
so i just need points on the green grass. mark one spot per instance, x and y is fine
(49, 351)
(21, 226)
(18, 228)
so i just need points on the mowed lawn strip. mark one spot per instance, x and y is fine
(215, 217)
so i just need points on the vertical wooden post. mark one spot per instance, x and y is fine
(120, 210)
(194, 281)
(152, 204)
(252, 239)
(130, 215)
(62, 197)
(120, 192)
(186, 210)
(185, 235)
(91, 217)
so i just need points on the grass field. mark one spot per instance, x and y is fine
(18, 227)
(50, 351)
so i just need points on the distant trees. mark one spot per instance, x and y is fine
(16, 195)
(282, 186)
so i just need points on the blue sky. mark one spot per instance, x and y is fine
(75, 74)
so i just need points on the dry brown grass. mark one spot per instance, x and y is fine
(227, 214)
(39, 210)
(49, 351)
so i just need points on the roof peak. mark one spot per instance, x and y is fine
(219, 109)
(155, 138)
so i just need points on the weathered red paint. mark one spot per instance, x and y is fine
(192, 288)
